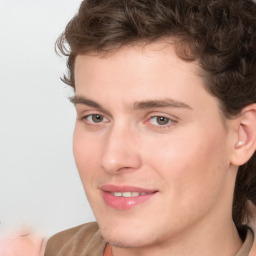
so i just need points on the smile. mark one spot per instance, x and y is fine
(128, 194)
(125, 197)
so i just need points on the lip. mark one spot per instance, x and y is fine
(125, 203)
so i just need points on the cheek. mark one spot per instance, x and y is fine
(86, 153)
(191, 168)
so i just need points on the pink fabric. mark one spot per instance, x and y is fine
(22, 245)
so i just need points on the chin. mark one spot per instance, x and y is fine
(128, 237)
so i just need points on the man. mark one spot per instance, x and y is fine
(165, 138)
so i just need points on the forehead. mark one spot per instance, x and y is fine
(138, 61)
(142, 73)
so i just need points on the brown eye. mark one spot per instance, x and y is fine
(97, 118)
(161, 120)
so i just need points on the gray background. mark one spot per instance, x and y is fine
(39, 184)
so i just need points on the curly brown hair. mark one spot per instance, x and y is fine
(219, 34)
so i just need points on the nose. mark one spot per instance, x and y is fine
(121, 151)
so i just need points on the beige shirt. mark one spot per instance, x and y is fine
(86, 240)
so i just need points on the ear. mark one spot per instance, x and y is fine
(245, 144)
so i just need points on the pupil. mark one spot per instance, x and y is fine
(162, 120)
(97, 118)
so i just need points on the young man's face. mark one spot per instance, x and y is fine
(151, 147)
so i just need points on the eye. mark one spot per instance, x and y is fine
(160, 120)
(95, 118)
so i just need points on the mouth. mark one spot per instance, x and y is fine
(128, 194)
(125, 197)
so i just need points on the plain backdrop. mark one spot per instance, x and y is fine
(39, 184)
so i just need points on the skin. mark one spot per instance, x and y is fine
(22, 245)
(187, 160)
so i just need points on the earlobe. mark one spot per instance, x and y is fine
(245, 144)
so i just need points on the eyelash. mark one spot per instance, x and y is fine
(89, 120)
(156, 118)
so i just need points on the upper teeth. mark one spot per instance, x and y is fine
(128, 194)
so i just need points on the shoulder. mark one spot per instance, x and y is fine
(247, 236)
(81, 240)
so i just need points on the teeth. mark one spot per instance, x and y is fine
(128, 194)
(117, 194)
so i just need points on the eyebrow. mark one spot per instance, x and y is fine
(82, 100)
(147, 104)
(164, 103)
